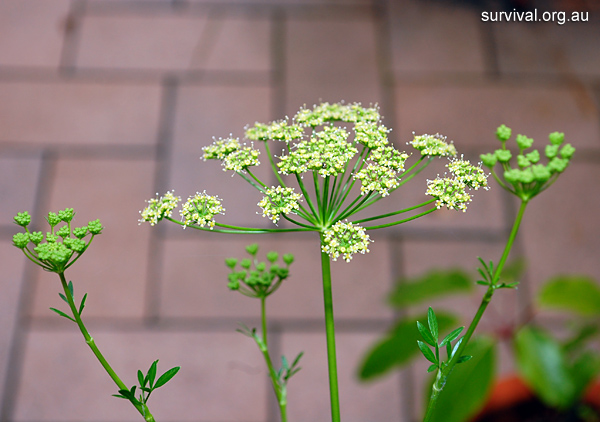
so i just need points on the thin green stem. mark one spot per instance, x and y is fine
(237, 229)
(395, 223)
(308, 200)
(377, 217)
(142, 408)
(330, 334)
(487, 297)
(263, 317)
(273, 166)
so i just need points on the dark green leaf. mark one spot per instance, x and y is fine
(542, 364)
(119, 396)
(583, 370)
(141, 379)
(464, 358)
(284, 363)
(82, 304)
(294, 372)
(452, 336)
(62, 314)
(427, 352)
(577, 294)
(482, 283)
(468, 386)
(484, 275)
(397, 347)
(297, 359)
(426, 334)
(432, 367)
(166, 377)
(433, 284)
(63, 297)
(71, 289)
(433, 324)
(151, 374)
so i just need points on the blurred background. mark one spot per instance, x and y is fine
(103, 103)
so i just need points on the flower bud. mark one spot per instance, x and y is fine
(20, 240)
(503, 155)
(22, 219)
(503, 133)
(252, 249)
(524, 142)
(556, 138)
(488, 160)
(231, 262)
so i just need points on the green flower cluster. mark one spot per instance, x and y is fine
(345, 239)
(376, 178)
(258, 279)
(530, 176)
(200, 210)
(277, 131)
(62, 246)
(325, 112)
(371, 135)
(221, 148)
(433, 145)
(159, 208)
(451, 192)
(279, 200)
(327, 153)
(241, 159)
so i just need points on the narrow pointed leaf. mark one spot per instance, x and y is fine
(82, 304)
(427, 352)
(62, 314)
(425, 334)
(166, 377)
(297, 359)
(151, 375)
(456, 346)
(120, 396)
(71, 289)
(433, 324)
(464, 358)
(141, 379)
(284, 363)
(483, 283)
(432, 368)
(452, 336)
(63, 297)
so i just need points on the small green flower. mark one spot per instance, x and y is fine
(390, 157)
(63, 232)
(272, 256)
(252, 249)
(524, 142)
(288, 258)
(567, 151)
(221, 148)
(533, 156)
(371, 135)
(56, 254)
(345, 239)
(201, 210)
(503, 155)
(556, 138)
(489, 160)
(80, 232)
(503, 133)
(472, 176)
(551, 151)
(159, 208)
(241, 159)
(433, 145)
(231, 262)
(95, 227)
(522, 161)
(66, 215)
(376, 178)
(36, 237)
(541, 173)
(22, 219)
(279, 200)
(450, 193)
(53, 219)
(21, 240)
(558, 165)
(76, 245)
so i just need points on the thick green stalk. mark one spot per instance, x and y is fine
(442, 376)
(142, 408)
(330, 333)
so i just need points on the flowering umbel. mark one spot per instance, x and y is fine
(342, 161)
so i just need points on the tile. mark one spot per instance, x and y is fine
(32, 32)
(548, 48)
(194, 283)
(19, 175)
(308, 390)
(330, 60)
(432, 38)
(221, 377)
(141, 42)
(532, 110)
(13, 261)
(79, 113)
(208, 112)
(560, 230)
(113, 269)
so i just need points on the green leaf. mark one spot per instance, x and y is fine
(284, 363)
(433, 324)
(141, 379)
(297, 360)
(432, 367)
(456, 346)
(71, 289)
(452, 336)
(397, 347)
(427, 352)
(468, 385)
(62, 314)
(542, 364)
(426, 334)
(82, 304)
(151, 374)
(464, 358)
(63, 297)
(426, 287)
(578, 294)
(166, 377)
(583, 371)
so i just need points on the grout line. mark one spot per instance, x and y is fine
(22, 326)
(72, 30)
(163, 165)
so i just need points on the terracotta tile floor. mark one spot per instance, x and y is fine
(105, 102)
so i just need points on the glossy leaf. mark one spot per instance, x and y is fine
(452, 336)
(433, 324)
(577, 294)
(398, 346)
(468, 385)
(433, 284)
(542, 364)
(166, 377)
(62, 314)
(151, 375)
(427, 352)
(426, 334)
